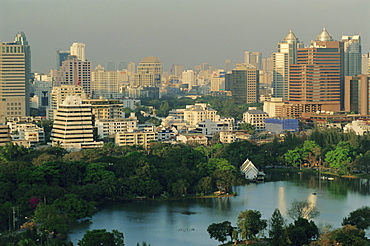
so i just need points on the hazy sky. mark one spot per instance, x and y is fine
(187, 32)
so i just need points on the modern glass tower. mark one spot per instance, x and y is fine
(286, 55)
(352, 55)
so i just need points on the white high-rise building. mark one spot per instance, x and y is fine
(189, 78)
(286, 55)
(365, 64)
(73, 126)
(218, 81)
(352, 55)
(78, 50)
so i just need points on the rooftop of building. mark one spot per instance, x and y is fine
(150, 59)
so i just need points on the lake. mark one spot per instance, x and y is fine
(185, 222)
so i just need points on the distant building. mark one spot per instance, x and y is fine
(62, 56)
(149, 72)
(281, 125)
(250, 171)
(356, 94)
(209, 128)
(273, 107)
(198, 113)
(27, 131)
(192, 139)
(131, 103)
(253, 58)
(78, 50)
(105, 108)
(135, 137)
(234, 136)
(109, 127)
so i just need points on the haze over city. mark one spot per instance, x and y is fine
(178, 32)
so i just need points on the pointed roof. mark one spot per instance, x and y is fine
(324, 36)
(290, 36)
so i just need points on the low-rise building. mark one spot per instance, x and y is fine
(105, 108)
(256, 118)
(234, 136)
(135, 137)
(281, 125)
(209, 128)
(358, 126)
(26, 131)
(109, 127)
(192, 139)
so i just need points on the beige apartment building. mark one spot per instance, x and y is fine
(135, 137)
(105, 108)
(149, 72)
(199, 112)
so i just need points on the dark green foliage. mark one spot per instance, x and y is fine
(250, 224)
(302, 232)
(277, 230)
(102, 237)
(220, 231)
(347, 235)
(359, 218)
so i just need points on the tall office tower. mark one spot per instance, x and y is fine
(178, 70)
(122, 65)
(111, 66)
(253, 58)
(131, 67)
(78, 50)
(356, 94)
(352, 55)
(286, 55)
(74, 72)
(106, 84)
(267, 63)
(244, 83)
(365, 64)
(204, 66)
(149, 72)
(189, 78)
(73, 124)
(15, 75)
(61, 56)
(316, 80)
(227, 65)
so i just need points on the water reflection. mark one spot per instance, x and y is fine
(184, 222)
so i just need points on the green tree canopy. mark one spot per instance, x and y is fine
(220, 231)
(359, 218)
(250, 224)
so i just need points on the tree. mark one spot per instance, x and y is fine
(347, 235)
(294, 157)
(311, 152)
(277, 229)
(51, 219)
(220, 231)
(302, 209)
(102, 237)
(359, 218)
(302, 232)
(205, 184)
(247, 127)
(341, 157)
(250, 224)
(74, 206)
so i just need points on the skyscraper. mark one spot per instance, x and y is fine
(244, 83)
(286, 55)
(316, 80)
(74, 72)
(15, 75)
(227, 65)
(253, 58)
(78, 50)
(61, 56)
(352, 55)
(149, 72)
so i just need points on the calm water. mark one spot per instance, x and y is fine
(185, 222)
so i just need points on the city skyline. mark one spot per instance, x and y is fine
(177, 32)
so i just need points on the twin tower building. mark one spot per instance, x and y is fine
(311, 79)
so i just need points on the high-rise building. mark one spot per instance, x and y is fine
(253, 58)
(189, 78)
(365, 64)
(149, 72)
(218, 81)
(227, 65)
(111, 66)
(106, 84)
(73, 125)
(286, 55)
(62, 56)
(244, 83)
(78, 50)
(352, 55)
(178, 70)
(356, 94)
(15, 76)
(74, 72)
(316, 80)
(122, 65)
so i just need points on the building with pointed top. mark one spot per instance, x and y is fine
(316, 81)
(286, 55)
